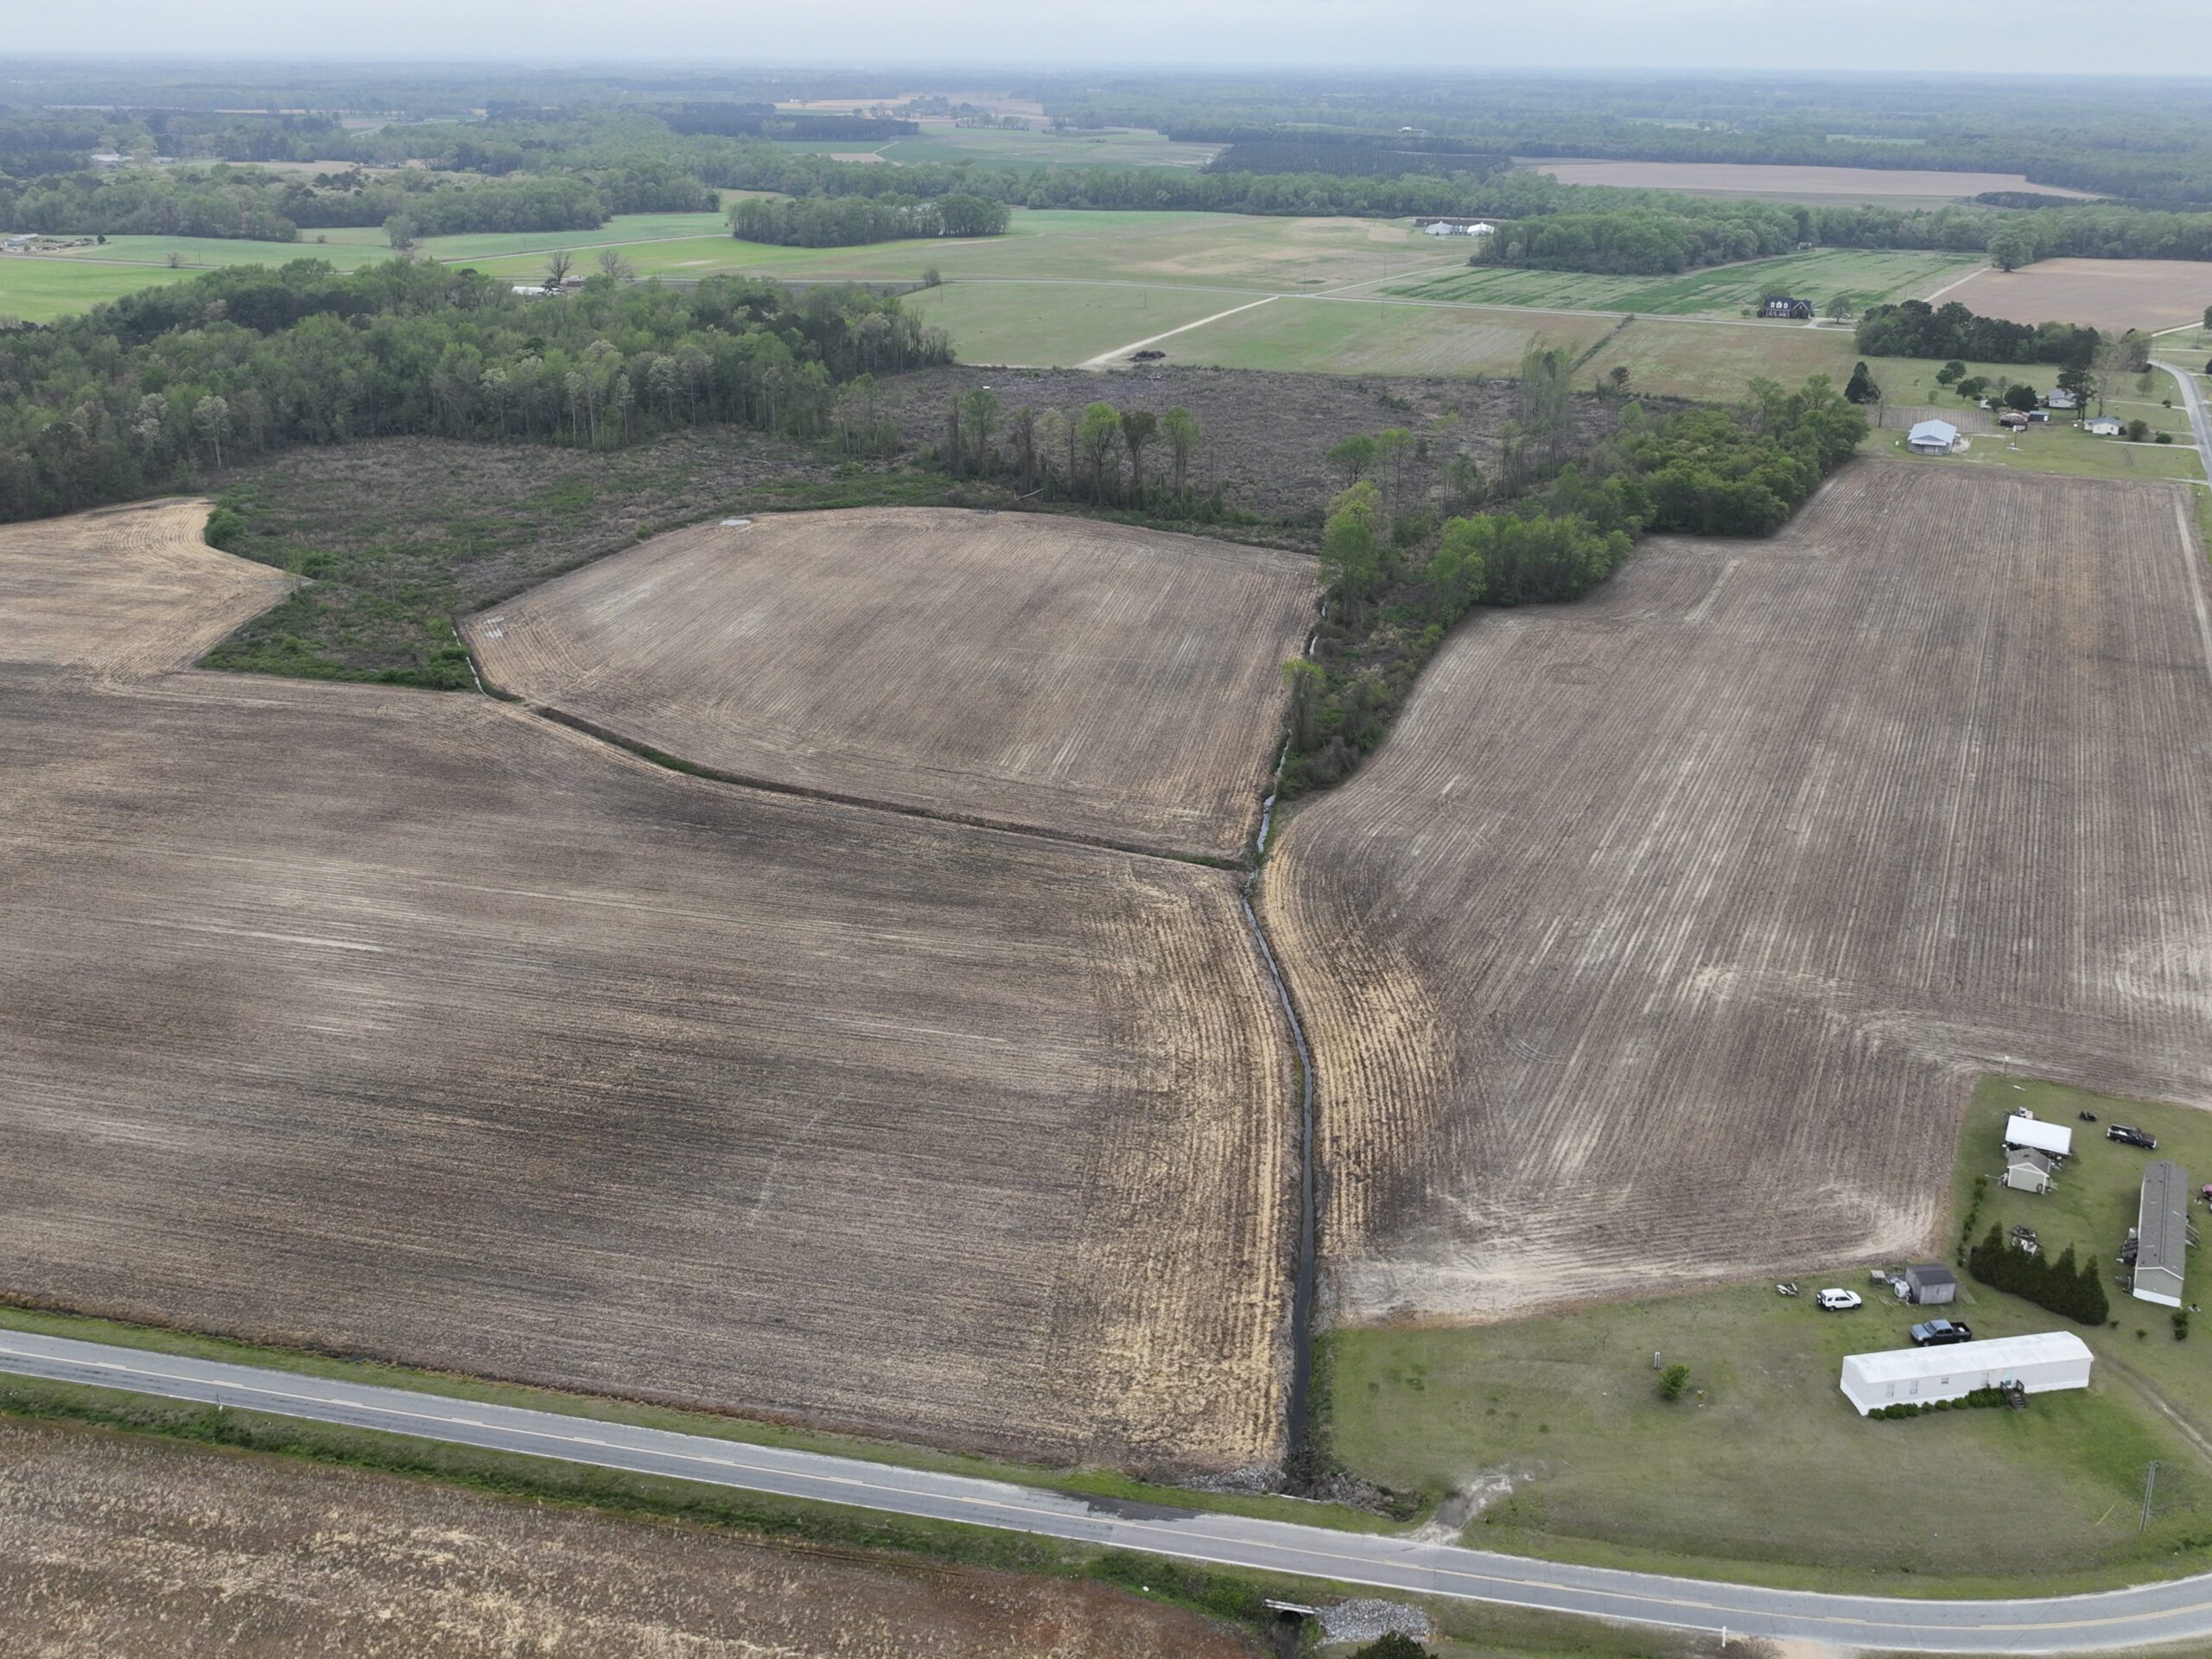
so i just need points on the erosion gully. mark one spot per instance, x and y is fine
(1298, 1425)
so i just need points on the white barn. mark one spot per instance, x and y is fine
(1905, 1376)
(2053, 1140)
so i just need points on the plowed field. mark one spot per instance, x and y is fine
(128, 1548)
(418, 1026)
(1109, 684)
(1660, 943)
(126, 591)
(2114, 294)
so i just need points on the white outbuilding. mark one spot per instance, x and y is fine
(1932, 438)
(2052, 1140)
(2027, 1170)
(1908, 1377)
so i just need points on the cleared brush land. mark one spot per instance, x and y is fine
(1661, 943)
(2146, 294)
(1110, 684)
(131, 1548)
(419, 1027)
(125, 590)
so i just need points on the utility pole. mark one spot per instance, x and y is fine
(2149, 1485)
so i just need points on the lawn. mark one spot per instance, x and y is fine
(2057, 448)
(1717, 290)
(1762, 1466)
(1052, 326)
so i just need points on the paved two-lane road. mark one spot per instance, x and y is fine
(2175, 1611)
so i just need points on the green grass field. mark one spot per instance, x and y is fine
(1764, 1468)
(1042, 325)
(1721, 290)
(989, 147)
(41, 290)
(1355, 337)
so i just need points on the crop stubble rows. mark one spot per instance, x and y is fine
(1105, 684)
(418, 1026)
(115, 1548)
(1658, 944)
(127, 591)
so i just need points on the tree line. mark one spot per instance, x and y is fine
(1915, 328)
(242, 202)
(848, 221)
(2075, 1290)
(1397, 582)
(1101, 455)
(141, 394)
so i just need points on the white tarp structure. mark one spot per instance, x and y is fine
(2032, 1132)
(1907, 1376)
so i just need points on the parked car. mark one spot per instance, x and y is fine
(1838, 1301)
(1940, 1334)
(2133, 1137)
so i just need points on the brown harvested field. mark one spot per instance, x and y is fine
(1662, 942)
(1812, 184)
(1107, 684)
(118, 1548)
(125, 590)
(2145, 294)
(417, 1025)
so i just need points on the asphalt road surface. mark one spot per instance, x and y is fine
(2195, 401)
(2178, 1610)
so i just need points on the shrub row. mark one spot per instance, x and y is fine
(1979, 1400)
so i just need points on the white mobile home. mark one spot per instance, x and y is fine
(2162, 1235)
(1908, 1376)
(2053, 1140)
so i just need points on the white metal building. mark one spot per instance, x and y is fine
(1932, 438)
(1901, 1376)
(2054, 1140)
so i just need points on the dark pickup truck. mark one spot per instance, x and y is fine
(1940, 1334)
(2133, 1137)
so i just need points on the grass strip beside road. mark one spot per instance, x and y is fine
(1092, 1482)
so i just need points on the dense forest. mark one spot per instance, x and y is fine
(1397, 584)
(844, 222)
(135, 397)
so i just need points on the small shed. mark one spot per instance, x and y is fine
(2040, 1365)
(2103, 426)
(2162, 1235)
(2027, 1170)
(1932, 438)
(1930, 1285)
(2054, 1139)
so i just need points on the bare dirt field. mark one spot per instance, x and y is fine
(2146, 294)
(1261, 434)
(1796, 183)
(1662, 942)
(125, 590)
(1111, 684)
(417, 1025)
(117, 1548)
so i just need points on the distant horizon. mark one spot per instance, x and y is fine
(2041, 38)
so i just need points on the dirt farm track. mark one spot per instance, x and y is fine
(1662, 941)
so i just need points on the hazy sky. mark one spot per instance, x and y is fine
(2049, 36)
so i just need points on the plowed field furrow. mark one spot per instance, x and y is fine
(1658, 944)
(1105, 684)
(125, 592)
(422, 1027)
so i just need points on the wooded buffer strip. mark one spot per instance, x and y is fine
(1392, 595)
(226, 201)
(843, 222)
(132, 397)
(1915, 328)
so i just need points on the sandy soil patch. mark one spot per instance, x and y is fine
(1661, 943)
(2146, 294)
(1115, 685)
(114, 1548)
(414, 1025)
(125, 590)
